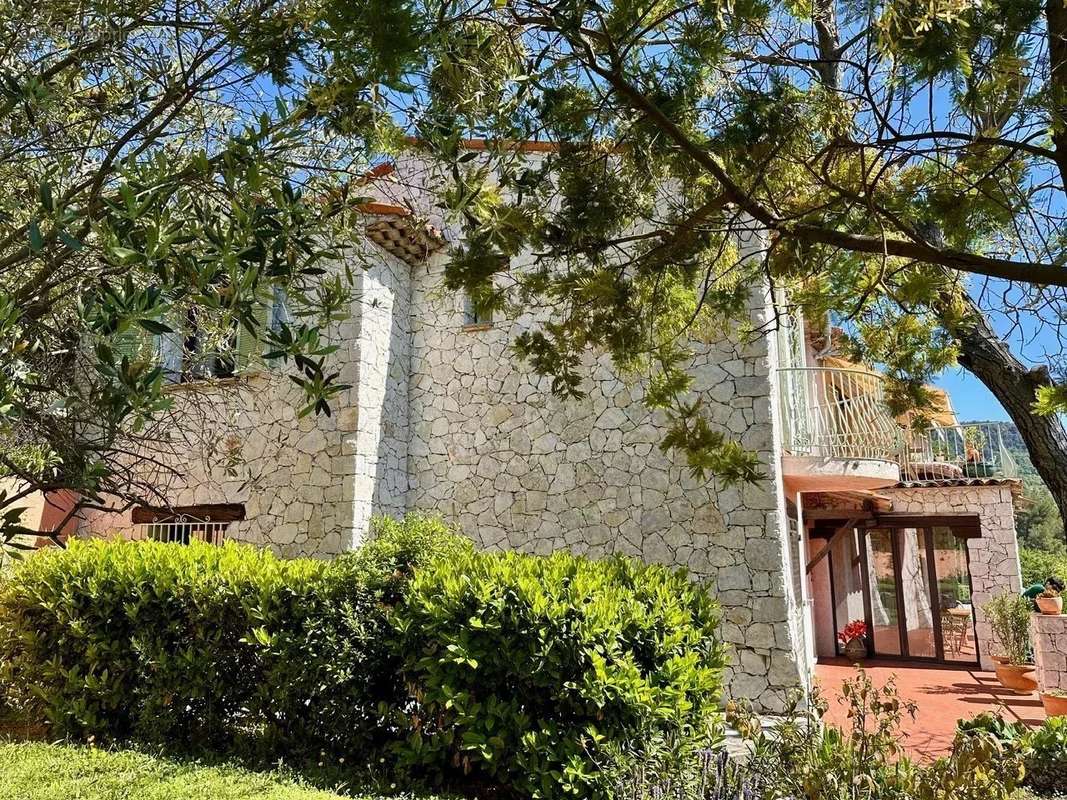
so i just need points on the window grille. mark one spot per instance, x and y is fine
(207, 523)
(183, 530)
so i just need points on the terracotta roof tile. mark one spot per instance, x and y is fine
(940, 483)
(406, 239)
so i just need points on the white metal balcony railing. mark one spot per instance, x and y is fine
(842, 413)
(837, 413)
(182, 531)
(957, 451)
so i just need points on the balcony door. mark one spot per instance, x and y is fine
(918, 593)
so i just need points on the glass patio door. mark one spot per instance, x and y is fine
(918, 626)
(919, 594)
(883, 591)
(959, 642)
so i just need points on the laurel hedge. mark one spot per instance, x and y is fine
(416, 657)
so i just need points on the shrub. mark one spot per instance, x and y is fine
(523, 669)
(1038, 565)
(1009, 618)
(145, 640)
(330, 684)
(802, 759)
(198, 646)
(1046, 761)
(464, 668)
(995, 725)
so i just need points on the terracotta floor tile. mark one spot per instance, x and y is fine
(943, 695)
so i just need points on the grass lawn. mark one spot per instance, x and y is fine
(34, 771)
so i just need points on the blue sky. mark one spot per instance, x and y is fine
(1029, 336)
(970, 398)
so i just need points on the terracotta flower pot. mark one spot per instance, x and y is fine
(1050, 605)
(1055, 704)
(999, 659)
(1017, 677)
(855, 650)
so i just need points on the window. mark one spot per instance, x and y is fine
(183, 524)
(473, 317)
(185, 354)
(279, 309)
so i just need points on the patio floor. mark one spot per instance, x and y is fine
(943, 695)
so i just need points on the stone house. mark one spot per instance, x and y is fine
(853, 519)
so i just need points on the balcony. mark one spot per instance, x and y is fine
(838, 430)
(839, 434)
(957, 451)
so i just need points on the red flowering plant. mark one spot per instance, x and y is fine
(856, 629)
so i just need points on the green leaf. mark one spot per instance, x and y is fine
(124, 255)
(155, 326)
(69, 240)
(45, 191)
(36, 240)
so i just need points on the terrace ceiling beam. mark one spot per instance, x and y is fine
(848, 526)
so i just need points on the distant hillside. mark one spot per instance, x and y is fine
(1037, 520)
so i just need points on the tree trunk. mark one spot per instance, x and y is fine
(988, 358)
(1056, 18)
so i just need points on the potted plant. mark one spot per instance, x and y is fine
(1055, 702)
(853, 637)
(1009, 617)
(974, 449)
(1050, 602)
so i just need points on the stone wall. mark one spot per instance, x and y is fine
(240, 441)
(493, 450)
(1049, 635)
(376, 450)
(310, 484)
(994, 557)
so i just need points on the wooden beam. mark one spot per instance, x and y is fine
(214, 512)
(820, 514)
(872, 501)
(848, 526)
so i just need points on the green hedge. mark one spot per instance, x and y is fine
(1037, 566)
(148, 641)
(579, 653)
(415, 655)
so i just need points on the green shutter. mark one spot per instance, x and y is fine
(126, 344)
(135, 343)
(249, 347)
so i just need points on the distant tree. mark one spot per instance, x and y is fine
(1038, 522)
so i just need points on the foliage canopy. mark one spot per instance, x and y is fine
(899, 164)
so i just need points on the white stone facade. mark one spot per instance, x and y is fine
(1049, 634)
(376, 450)
(442, 417)
(493, 450)
(309, 485)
